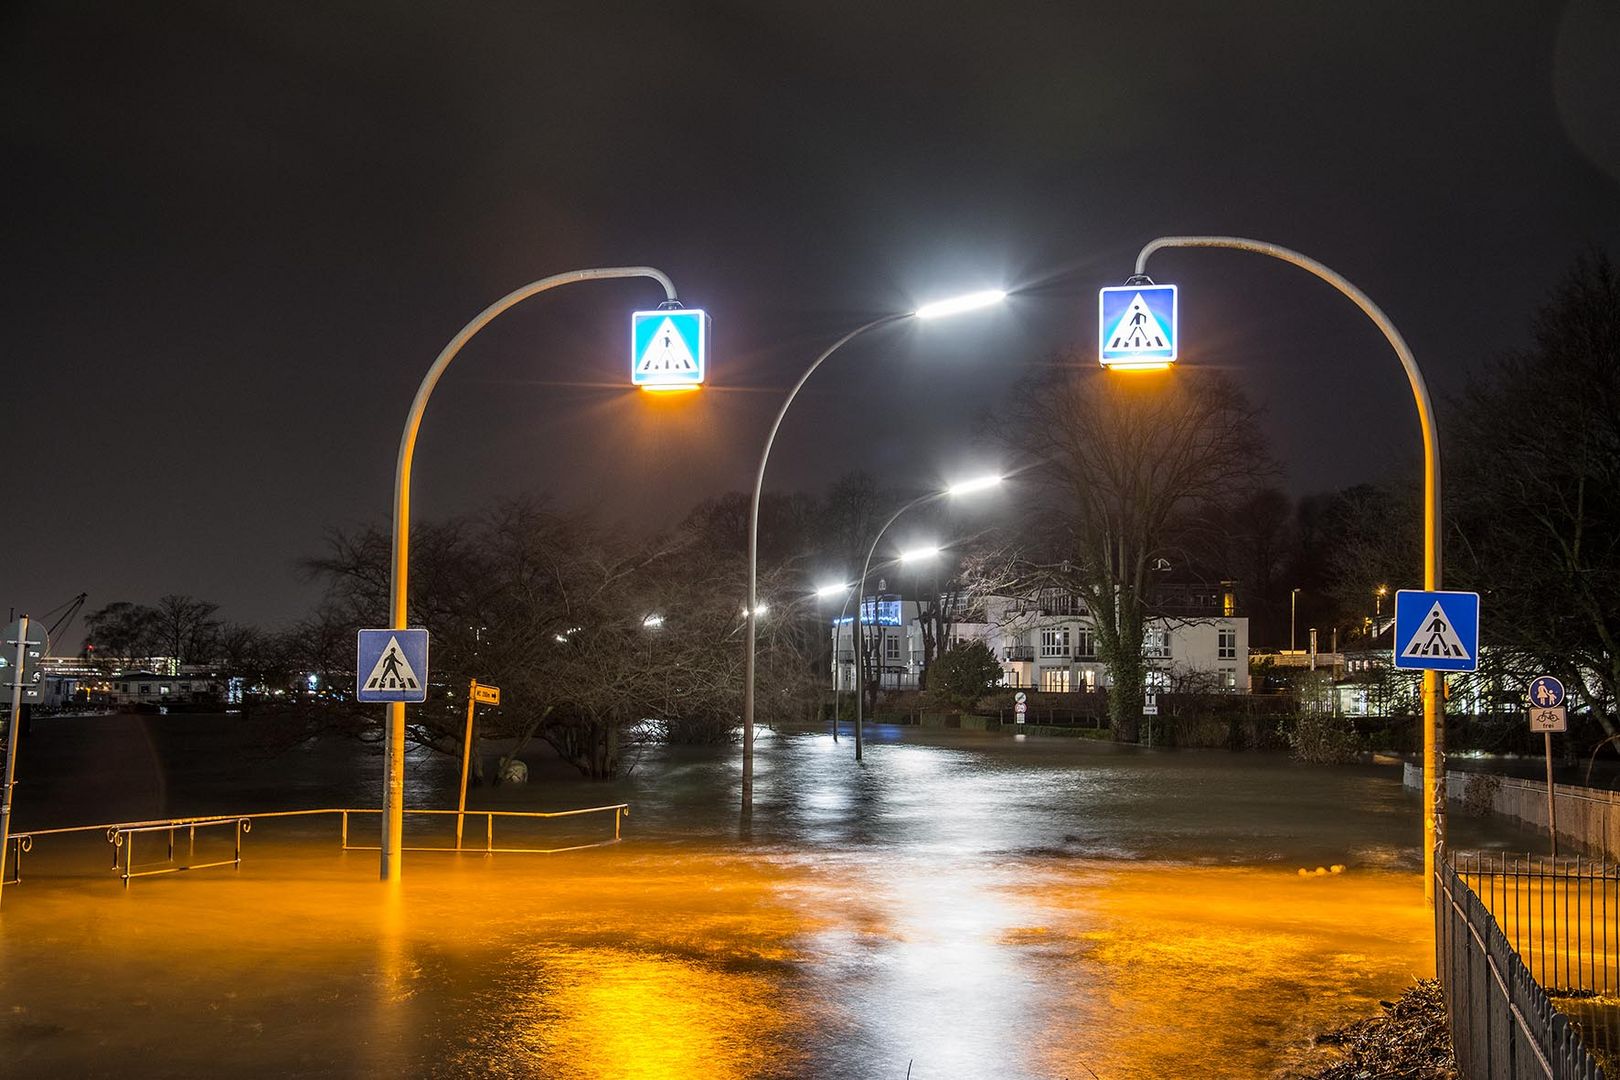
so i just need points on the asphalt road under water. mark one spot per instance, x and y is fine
(962, 905)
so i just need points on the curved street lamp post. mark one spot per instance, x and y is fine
(953, 306)
(966, 487)
(1434, 732)
(393, 828)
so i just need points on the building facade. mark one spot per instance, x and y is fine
(1049, 642)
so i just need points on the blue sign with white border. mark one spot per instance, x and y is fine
(1545, 692)
(1436, 631)
(669, 349)
(1136, 325)
(391, 665)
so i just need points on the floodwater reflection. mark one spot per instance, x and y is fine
(963, 908)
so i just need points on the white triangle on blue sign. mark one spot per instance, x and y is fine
(1436, 638)
(1138, 328)
(392, 671)
(666, 352)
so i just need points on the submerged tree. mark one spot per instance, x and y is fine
(1125, 466)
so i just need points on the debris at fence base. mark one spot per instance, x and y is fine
(1408, 1040)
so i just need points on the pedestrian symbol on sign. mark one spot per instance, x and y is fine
(392, 671)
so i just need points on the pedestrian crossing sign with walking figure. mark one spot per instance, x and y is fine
(669, 349)
(1436, 631)
(392, 665)
(1137, 325)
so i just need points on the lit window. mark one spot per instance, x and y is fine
(1055, 680)
(1055, 643)
(1156, 644)
(1228, 679)
(1226, 648)
(1085, 642)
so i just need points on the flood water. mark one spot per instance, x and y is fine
(960, 905)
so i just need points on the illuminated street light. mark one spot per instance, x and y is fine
(961, 487)
(928, 551)
(1434, 733)
(653, 622)
(957, 305)
(393, 801)
(827, 592)
(968, 302)
(968, 487)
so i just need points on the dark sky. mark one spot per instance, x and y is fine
(237, 234)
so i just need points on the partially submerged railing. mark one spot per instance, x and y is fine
(122, 835)
(1503, 1026)
(1562, 916)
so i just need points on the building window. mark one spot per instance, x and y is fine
(1055, 680)
(1085, 643)
(1228, 679)
(1055, 643)
(1088, 679)
(891, 648)
(1009, 676)
(1156, 644)
(1226, 646)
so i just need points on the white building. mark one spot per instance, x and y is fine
(1049, 642)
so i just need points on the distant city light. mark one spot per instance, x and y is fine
(961, 303)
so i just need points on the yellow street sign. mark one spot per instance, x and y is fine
(487, 695)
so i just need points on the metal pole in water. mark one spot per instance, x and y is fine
(466, 753)
(11, 744)
(1552, 799)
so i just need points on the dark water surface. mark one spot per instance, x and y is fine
(962, 904)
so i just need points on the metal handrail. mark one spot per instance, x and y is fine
(121, 834)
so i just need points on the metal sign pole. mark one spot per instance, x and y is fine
(466, 755)
(1552, 799)
(11, 744)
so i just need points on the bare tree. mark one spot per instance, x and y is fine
(1119, 462)
(1537, 491)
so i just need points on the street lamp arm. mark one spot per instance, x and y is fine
(1420, 390)
(413, 420)
(866, 568)
(753, 550)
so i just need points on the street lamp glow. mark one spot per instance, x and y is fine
(759, 611)
(968, 487)
(957, 304)
(653, 622)
(827, 592)
(927, 552)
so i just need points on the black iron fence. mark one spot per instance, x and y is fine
(1562, 916)
(1503, 1025)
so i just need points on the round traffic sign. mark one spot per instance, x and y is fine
(1545, 692)
(1020, 697)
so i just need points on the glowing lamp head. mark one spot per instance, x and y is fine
(968, 487)
(827, 592)
(928, 551)
(957, 304)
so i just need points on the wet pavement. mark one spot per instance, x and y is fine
(961, 905)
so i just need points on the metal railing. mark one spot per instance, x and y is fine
(1561, 916)
(121, 836)
(1503, 1025)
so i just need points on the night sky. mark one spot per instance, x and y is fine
(236, 235)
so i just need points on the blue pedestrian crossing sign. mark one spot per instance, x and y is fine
(1136, 325)
(1436, 631)
(1545, 692)
(669, 349)
(392, 665)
